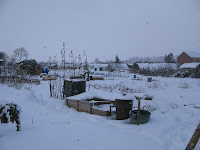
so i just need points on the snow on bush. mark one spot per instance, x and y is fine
(57, 88)
(121, 87)
(10, 112)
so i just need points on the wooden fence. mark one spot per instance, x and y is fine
(15, 79)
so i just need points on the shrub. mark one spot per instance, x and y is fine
(165, 72)
(135, 68)
(184, 85)
(10, 113)
(197, 72)
(30, 67)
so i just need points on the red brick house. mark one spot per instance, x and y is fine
(188, 57)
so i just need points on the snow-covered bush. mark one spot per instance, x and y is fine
(10, 112)
(197, 71)
(57, 88)
(184, 85)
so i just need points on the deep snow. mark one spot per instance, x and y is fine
(46, 123)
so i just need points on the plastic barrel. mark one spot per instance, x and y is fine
(122, 108)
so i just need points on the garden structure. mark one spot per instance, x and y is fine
(102, 107)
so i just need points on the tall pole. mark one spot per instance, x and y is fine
(50, 78)
(64, 54)
(64, 65)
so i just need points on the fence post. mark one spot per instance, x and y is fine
(77, 105)
(91, 104)
(67, 102)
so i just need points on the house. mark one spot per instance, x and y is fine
(189, 66)
(98, 67)
(189, 70)
(1, 65)
(188, 57)
(1, 62)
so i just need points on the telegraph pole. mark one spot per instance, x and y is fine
(63, 60)
(64, 54)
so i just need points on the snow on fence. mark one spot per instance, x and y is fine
(86, 106)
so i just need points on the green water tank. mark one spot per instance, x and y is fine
(144, 116)
(71, 88)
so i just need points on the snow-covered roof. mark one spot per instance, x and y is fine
(52, 65)
(1, 59)
(98, 65)
(189, 65)
(193, 54)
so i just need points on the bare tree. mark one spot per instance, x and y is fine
(20, 53)
(12, 60)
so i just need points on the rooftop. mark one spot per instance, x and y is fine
(193, 54)
(189, 65)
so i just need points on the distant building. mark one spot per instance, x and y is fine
(98, 67)
(1, 65)
(1, 62)
(53, 66)
(188, 57)
(108, 67)
(191, 66)
(189, 69)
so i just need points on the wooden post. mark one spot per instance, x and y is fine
(50, 89)
(194, 139)
(138, 114)
(108, 113)
(78, 105)
(67, 102)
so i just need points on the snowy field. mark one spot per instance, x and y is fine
(47, 124)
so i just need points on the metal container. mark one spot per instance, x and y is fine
(122, 108)
(71, 88)
(144, 116)
(149, 79)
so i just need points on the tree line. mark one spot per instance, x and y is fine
(19, 63)
(169, 58)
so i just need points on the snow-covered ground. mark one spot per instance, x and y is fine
(47, 124)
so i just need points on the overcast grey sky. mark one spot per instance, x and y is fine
(103, 28)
